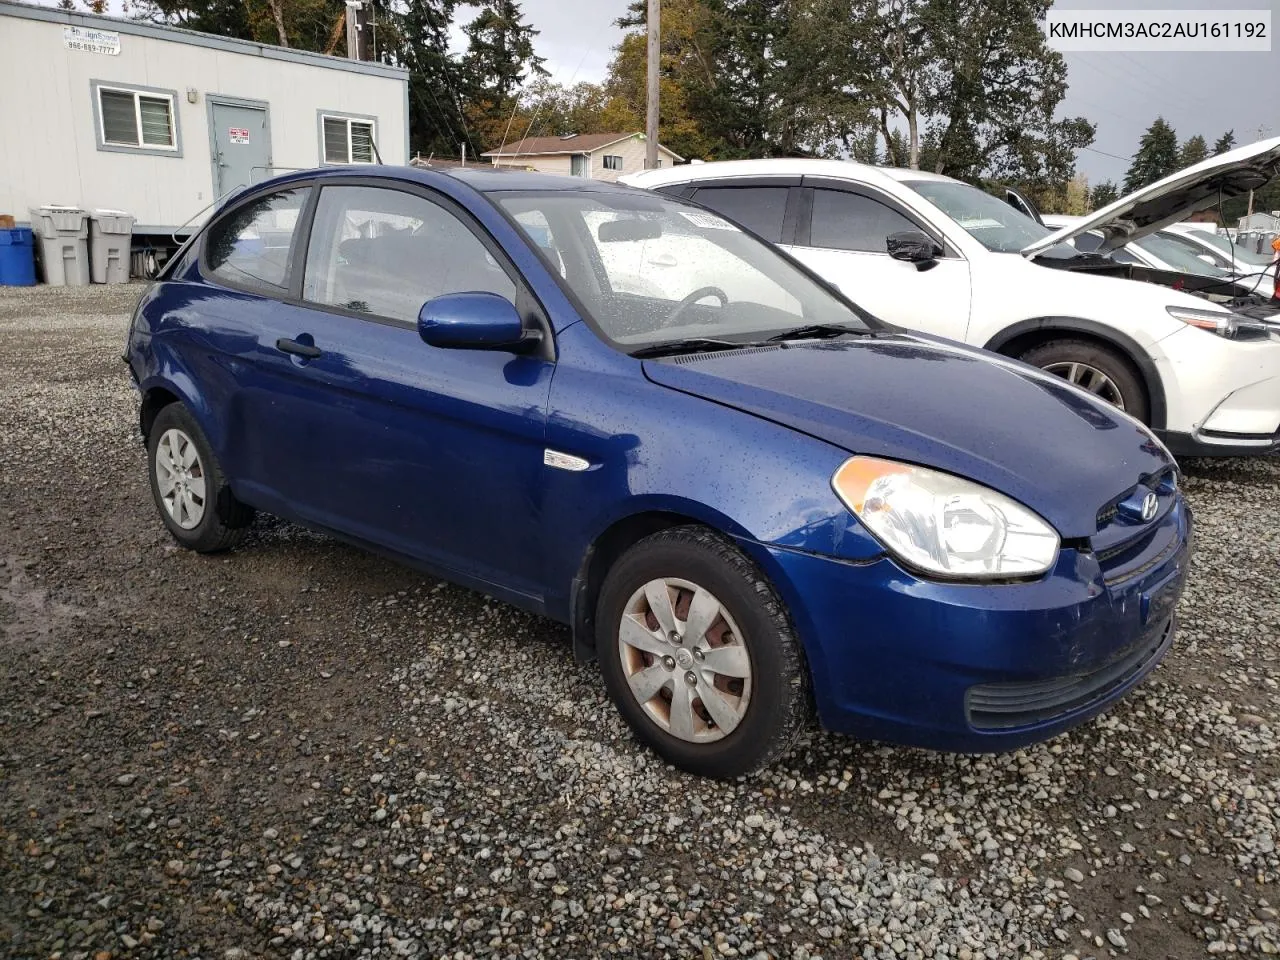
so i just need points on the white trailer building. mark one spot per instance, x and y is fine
(159, 122)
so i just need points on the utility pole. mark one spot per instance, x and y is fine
(651, 108)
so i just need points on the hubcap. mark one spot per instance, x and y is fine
(180, 479)
(685, 660)
(1088, 378)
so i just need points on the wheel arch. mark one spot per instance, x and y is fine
(154, 399)
(600, 556)
(1022, 336)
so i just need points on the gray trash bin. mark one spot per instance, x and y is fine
(110, 237)
(63, 234)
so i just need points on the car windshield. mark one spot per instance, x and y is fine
(1178, 256)
(650, 270)
(989, 220)
(1242, 253)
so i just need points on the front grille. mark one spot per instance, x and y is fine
(1000, 706)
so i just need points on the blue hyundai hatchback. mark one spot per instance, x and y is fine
(746, 497)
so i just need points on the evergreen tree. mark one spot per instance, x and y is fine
(499, 60)
(1224, 143)
(1157, 156)
(415, 34)
(1103, 194)
(1192, 152)
(500, 53)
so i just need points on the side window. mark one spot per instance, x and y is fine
(849, 221)
(249, 247)
(760, 209)
(386, 252)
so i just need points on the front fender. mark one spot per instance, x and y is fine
(653, 450)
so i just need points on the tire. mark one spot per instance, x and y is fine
(1057, 357)
(765, 710)
(198, 509)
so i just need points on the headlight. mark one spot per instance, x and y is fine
(944, 525)
(1224, 324)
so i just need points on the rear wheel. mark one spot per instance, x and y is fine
(191, 493)
(699, 656)
(1102, 371)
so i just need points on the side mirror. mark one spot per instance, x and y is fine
(474, 321)
(913, 247)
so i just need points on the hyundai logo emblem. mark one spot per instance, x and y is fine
(1150, 504)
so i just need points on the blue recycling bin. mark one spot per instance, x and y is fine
(17, 257)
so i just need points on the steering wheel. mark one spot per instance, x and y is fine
(693, 298)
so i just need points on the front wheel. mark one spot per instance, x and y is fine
(1093, 367)
(699, 656)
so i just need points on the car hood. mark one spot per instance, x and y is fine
(1175, 197)
(927, 401)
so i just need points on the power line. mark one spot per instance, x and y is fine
(1105, 154)
(567, 86)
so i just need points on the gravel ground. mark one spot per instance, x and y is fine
(300, 750)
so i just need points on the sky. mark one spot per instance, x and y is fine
(1204, 93)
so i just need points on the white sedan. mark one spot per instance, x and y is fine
(934, 254)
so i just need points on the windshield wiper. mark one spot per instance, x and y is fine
(814, 331)
(690, 345)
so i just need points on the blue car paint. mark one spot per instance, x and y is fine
(435, 456)
(484, 319)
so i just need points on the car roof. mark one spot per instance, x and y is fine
(481, 178)
(497, 178)
(779, 167)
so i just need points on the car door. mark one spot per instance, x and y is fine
(841, 234)
(353, 423)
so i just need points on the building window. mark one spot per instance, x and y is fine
(346, 139)
(612, 163)
(136, 119)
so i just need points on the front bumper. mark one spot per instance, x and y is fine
(1205, 443)
(1223, 396)
(982, 668)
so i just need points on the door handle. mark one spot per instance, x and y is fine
(663, 260)
(298, 349)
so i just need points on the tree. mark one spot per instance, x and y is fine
(228, 18)
(549, 108)
(1224, 143)
(865, 148)
(691, 45)
(500, 48)
(1077, 196)
(1102, 195)
(305, 24)
(415, 34)
(1192, 152)
(1157, 156)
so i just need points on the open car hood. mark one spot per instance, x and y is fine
(1173, 198)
